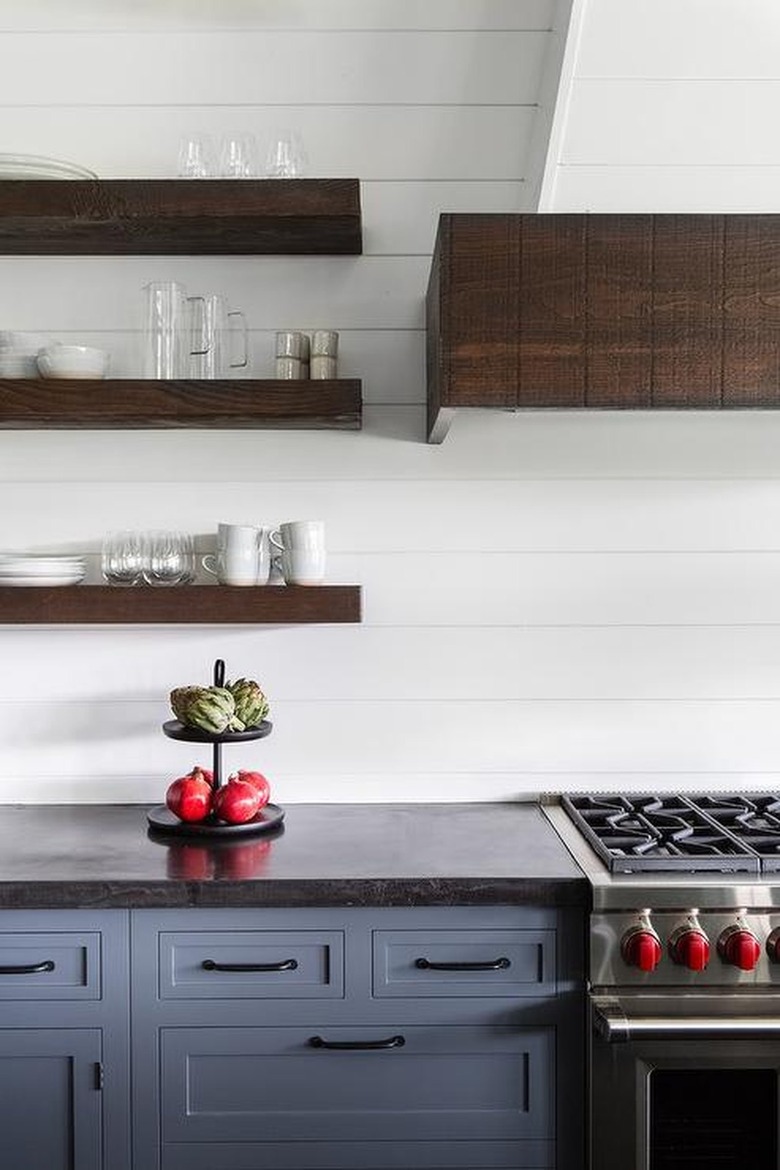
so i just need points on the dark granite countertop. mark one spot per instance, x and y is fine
(325, 855)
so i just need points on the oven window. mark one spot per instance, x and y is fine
(720, 1120)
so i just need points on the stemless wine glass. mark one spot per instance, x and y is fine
(168, 558)
(238, 157)
(197, 158)
(121, 558)
(286, 156)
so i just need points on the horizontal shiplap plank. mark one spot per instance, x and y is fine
(672, 122)
(428, 589)
(372, 142)
(114, 738)
(738, 662)
(36, 293)
(664, 38)
(409, 516)
(485, 445)
(402, 218)
(390, 362)
(658, 188)
(273, 68)
(121, 16)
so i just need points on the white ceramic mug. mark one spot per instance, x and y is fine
(243, 555)
(302, 547)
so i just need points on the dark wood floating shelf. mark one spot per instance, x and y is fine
(217, 217)
(183, 604)
(58, 403)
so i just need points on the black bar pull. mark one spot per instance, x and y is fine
(496, 965)
(357, 1045)
(285, 965)
(29, 968)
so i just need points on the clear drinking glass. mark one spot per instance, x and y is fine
(238, 157)
(122, 558)
(168, 558)
(197, 159)
(286, 156)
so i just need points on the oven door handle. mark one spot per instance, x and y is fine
(613, 1024)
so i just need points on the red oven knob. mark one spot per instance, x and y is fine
(739, 947)
(690, 948)
(641, 948)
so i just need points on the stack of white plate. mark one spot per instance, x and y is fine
(24, 569)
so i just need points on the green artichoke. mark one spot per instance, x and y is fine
(211, 709)
(251, 704)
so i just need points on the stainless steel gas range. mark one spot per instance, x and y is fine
(684, 977)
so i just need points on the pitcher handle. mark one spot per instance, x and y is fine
(245, 333)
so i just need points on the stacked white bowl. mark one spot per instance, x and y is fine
(33, 569)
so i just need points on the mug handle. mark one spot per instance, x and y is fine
(208, 566)
(275, 538)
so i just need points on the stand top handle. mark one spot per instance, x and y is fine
(219, 673)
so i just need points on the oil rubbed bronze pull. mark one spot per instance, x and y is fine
(497, 965)
(357, 1045)
(29, 968)
(285, 965)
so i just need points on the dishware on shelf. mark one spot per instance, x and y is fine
(286, 156)
(73, 361)
(36, 166)
(122, 558)
(168, 558)
(217, 355)
(169, 330)
(197, 157)
(24, 570)
(19, 353)
(301, 545)
(242, 557)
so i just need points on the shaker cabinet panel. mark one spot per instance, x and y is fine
(50, 1103)
(298, 1084)
(251, 964)
(49, 966)
(484, 963)
(396, 1155)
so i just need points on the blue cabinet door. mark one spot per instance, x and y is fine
(50, 1098)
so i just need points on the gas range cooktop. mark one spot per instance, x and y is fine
(731, 833)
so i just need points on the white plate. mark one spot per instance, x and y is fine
(42, 581)
(22, 568)
(36, 166)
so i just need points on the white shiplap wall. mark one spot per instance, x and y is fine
(433, 107)
(552, 601)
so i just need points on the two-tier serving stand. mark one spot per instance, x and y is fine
(163, 820)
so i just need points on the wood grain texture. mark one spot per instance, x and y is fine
(143, 403)
(180, 217)
(191, 604)
(609, 311)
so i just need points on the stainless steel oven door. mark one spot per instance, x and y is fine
(683, 1082)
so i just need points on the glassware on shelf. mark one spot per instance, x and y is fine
(122, 558)
(168, 558)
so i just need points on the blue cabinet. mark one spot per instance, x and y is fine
(64, 1043)
(357, 1039)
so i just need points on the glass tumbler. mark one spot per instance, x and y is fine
(168, 558)
(121, 558)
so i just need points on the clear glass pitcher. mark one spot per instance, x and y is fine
(171, 335)
(217, 354)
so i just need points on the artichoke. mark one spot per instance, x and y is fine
(211, 709)
(251, 704)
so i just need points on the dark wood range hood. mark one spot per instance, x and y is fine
(613, 312)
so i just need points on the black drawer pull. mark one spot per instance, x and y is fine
(357, 1045)
(496, 965)
(29, 968)
(285, 965)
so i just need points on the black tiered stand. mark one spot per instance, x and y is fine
(163, 820)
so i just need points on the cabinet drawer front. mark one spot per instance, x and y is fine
(252, 964)
(49, 966)
(395, 1155)
(441, 1084)
(464, 963)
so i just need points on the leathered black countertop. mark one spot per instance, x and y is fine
(325, 855)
